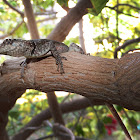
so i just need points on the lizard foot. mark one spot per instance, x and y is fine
(1, 68)
(23, 66)
(57, 57)
(60, 65)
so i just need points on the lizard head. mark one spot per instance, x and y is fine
(9, 46)
(75, 48)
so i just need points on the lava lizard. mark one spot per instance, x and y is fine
(34, 50)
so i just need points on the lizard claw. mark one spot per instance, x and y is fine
(60, 65)
(23, 66)
(1, 65)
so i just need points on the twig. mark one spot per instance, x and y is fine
(12, 31)
(117, 117)
(125, 4)
(65, 98)
(46, 137)
(128, 42)
(18, 11)
(46, 19)
(121, 12)
(78, 119)
(46, 13)
(117, 24)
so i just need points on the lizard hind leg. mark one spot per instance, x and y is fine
(57, 57)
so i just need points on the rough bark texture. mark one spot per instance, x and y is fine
(114, 81)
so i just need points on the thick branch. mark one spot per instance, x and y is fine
(67, 22)
(115, 81)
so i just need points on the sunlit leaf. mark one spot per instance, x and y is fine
(98, 5)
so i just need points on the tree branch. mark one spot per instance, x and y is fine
(125, 4)
(67, 107)
(128, 42)
(18, 11)
(121, 12)
(108, 80)
(12, 31)
(67, 22)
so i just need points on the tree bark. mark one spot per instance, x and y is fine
(116, 81)
(63, 28)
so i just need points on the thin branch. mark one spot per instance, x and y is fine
(22, 13)
(117, 117)
(46, 13)
(12, 31)
(117, 25)
(46, 19)
(18, 11)
(46, 137)
(128, 42)
(78, 119)
(124, 4)
(121, 12)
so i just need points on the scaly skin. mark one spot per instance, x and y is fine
(38, 48)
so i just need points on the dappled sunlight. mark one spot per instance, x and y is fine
(35, 98)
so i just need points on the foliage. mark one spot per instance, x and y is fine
(98, 6)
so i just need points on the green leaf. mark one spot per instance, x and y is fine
(63, 2)
(98, 5)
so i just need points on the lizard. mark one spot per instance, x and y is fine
(37, 49)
